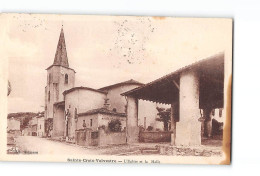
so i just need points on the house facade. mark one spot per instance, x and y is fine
(13, 124)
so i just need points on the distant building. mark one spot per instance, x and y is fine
(36, 126)
(13, 124)
(40, 126)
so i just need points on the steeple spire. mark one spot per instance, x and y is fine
(61, 57)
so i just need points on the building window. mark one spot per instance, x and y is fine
(84, 124)
(66, 78)
(50, 78)
(76, 113)
(49, 96)
(40, 126)
(91, 122)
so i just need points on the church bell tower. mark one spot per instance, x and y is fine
(60, 77)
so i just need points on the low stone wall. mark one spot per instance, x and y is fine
(189, 151)
(87, 137)
(111, 138)
(83, 137)
(154, 136)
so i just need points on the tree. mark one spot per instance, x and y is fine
(164, 116)
(9, 88)
(115, 125)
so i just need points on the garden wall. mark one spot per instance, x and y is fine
(155, 136)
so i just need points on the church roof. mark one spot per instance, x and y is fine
(82, 88)
(131, 81)
(61, 57)
(102, 111)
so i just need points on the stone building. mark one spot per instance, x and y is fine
(40, 125)
(69, 106)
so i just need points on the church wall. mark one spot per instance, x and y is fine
(56, 86)
(146, 109)
(62, 85)
(83, 100)
(58, 121)
(116, 100)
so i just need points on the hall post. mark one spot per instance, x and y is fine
(173, 122)
(132, 129)
(188, 129)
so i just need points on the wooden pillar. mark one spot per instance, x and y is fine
(132, 129)
(188, 129)
(208, 123)
(173, 122)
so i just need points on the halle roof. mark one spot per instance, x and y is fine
(131, 81)
(59, 103)
(102, 111)
(82, 88)
(160, 89)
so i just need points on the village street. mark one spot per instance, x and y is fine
(45, 146)
(32, 144)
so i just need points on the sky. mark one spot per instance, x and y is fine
(104, 50)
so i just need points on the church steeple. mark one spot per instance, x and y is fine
(61, 57)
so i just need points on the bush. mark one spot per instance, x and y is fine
(150, 128)
(141, 128)
(115, 125)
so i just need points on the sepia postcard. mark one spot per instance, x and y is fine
(115, 89)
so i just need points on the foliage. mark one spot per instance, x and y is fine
(165, 117)
(23, 117)
(9, 89)
(149, 128)
(48, 125)
(141, 128)
(115, 125)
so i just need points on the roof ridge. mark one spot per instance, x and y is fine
(130, 81)
(81, 87)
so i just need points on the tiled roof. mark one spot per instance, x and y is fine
(102, 111)
(131, 81)
(82, 88)
(60, 103)
(219, 56)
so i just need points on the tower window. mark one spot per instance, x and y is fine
(49, 96)
(50, 78)
(66, 78)
(91, 122)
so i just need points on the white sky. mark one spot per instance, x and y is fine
(158, 46)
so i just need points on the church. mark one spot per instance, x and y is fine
(69, 108)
